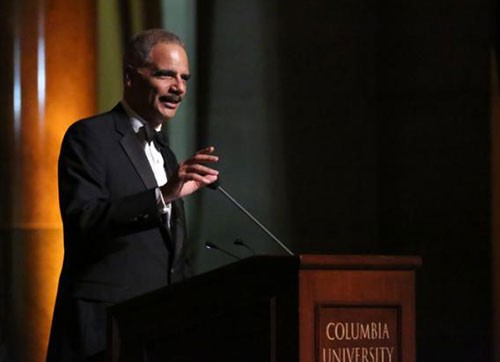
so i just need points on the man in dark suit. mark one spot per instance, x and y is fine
(120, 191)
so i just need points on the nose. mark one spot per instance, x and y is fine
(179, 86)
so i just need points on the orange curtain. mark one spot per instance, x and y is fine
(48, 82)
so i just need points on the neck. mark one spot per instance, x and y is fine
(132, 113)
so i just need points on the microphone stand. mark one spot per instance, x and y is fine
(216, 186)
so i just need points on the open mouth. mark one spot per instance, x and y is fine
(170, 102)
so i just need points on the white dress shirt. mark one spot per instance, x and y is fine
(154, 157)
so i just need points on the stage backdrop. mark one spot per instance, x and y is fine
(344, 126)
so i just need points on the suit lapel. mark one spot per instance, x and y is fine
(138, 158)
(133, 148)
(135, 153)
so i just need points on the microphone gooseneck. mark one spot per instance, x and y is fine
(210, 245)
(216, 186)
(240, 242)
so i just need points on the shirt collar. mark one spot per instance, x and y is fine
(135, 120)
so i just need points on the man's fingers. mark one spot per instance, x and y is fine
(202, 179)
(202, 158)
(206, 153)
(193, 169)
(199, 169)
(206, 150)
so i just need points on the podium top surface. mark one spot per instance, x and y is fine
(371, 262)
(258, 274)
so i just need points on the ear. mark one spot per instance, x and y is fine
(127, 75)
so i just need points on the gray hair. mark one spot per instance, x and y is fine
(139, 48)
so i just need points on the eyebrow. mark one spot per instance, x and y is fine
(169, 72)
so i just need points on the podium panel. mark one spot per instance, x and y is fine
(275, 308)
(246, 311)
(357, 308)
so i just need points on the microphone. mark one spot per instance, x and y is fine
(210, 245)
(216, 186)
(240, 242)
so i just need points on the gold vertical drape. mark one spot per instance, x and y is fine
(59, 56)
(48, 80)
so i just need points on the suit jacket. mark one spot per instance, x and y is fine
(116, 243)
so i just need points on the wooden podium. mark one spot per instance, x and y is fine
(311, 308)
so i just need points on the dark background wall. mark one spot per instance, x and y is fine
(360, 127)
(356, 127)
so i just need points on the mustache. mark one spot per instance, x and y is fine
(170, 98)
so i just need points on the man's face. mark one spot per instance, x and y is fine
(155, 91)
